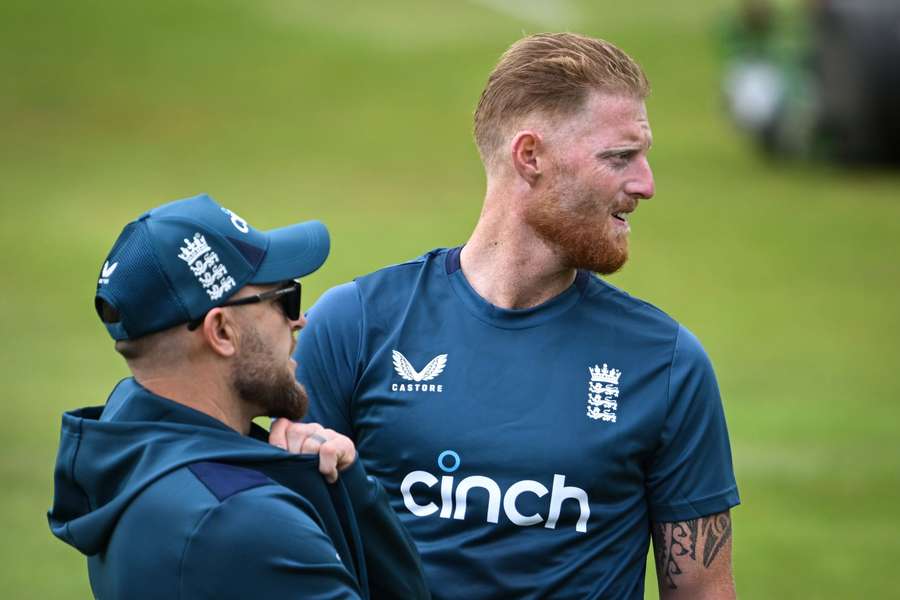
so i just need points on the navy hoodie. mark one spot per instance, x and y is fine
(167, 502)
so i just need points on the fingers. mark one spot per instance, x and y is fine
(335, 455)
(312, 443)
(300, 440)
(278, 433)
(336, 452)
(294, 437)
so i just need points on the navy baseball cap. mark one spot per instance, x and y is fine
(176, 262)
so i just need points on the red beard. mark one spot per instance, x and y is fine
(578, 228)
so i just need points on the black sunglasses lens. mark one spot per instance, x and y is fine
(290, 302)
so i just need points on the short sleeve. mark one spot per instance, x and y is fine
(230, 555)
(326, 355)
(691, 473)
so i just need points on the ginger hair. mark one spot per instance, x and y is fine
(552, 74)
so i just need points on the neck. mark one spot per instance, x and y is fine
(507, 263)
(203, 394)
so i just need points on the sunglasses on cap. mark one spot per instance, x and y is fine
(288, 296)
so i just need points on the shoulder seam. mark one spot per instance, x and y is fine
(208, 514)
(187, 544)
(200, 523)
(669, 376)
(414, 261)
(633, 300)
(205, 472)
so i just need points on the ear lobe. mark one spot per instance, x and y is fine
(220, 333)
(525, 150)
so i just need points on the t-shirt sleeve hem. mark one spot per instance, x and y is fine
(694, 509)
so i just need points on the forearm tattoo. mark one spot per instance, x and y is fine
(675, 543)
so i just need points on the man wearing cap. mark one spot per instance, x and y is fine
(166, 488)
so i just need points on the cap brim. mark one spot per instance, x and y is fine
(294, 251)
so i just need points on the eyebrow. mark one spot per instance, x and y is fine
(635, 146)
(610, 152)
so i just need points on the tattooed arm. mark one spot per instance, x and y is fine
(693, 558)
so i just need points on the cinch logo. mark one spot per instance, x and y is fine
(453, 505)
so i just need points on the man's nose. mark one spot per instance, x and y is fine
(641, 185)
(298, 323)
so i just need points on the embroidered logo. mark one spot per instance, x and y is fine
(405, 370)
(239, 223)
(205, 266)
(603, 392)
(106, 272)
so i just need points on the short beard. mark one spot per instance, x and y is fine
(577, 230)
(275, 391)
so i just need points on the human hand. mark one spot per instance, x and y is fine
(336, 452)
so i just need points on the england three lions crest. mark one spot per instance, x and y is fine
(603, 393)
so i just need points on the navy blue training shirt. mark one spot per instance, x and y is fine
(527, 451)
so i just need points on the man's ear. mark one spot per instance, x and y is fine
(220, 333)
(526, 153)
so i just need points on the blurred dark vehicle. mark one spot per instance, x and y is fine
(858, 58)
(822, 82)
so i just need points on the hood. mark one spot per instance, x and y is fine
(108, 455)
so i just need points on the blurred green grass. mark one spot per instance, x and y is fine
(359, 115)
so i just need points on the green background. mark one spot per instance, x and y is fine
(359, 114)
